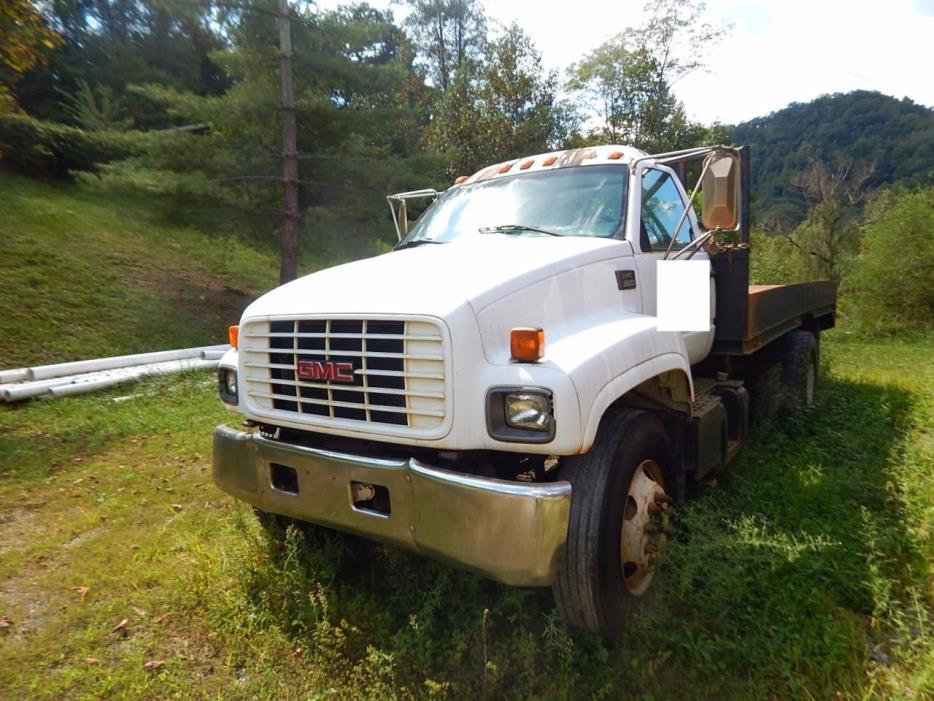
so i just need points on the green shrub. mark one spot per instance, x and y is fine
(773, 260)
(48, 149)
(891, 287)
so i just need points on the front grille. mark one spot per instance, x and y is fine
(395, 370)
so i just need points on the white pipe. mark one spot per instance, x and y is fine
(24, 390)
(44, 372)
(104, 378)
(213, 354)
(82, 387)
(18, 375)
(165, 368)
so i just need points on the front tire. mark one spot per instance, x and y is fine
(618, 522)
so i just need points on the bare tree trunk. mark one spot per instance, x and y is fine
(288, 269)
(442, 54)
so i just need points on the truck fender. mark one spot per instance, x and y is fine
(629, 380)
(229, 359)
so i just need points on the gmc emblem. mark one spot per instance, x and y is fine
(327, 371)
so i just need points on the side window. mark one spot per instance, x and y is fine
(662, 208)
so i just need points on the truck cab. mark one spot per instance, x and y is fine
(496, 392)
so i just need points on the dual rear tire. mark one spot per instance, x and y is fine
(787, 383)
(799, 369)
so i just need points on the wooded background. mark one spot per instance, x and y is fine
(180, 99)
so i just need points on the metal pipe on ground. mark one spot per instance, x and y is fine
(44, 372)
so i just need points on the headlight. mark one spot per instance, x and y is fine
(527, 410)
(227, 385)
(520, 414)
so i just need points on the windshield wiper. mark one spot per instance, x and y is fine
(515, 229)
(415, 242)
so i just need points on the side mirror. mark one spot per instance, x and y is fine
(720, 207)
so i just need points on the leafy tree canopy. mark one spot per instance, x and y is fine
(24, 41)
(510, 109)
(450, 36)
(109, 45)
(626, 83)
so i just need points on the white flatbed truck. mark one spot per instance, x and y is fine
(496, 391)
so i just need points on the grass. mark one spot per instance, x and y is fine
(84, 275)
(806, 573)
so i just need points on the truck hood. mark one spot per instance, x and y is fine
(435, 279)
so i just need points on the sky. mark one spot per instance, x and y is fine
(776, 51)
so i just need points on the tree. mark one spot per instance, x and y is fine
(891, 285)
(627, 81)
(113, 44)
(449, 35)
(619, 83)
(677, 39)
(96, 108)
(521, 100)
(355, 99)
(510, 109)
(774, 260)
(455, 130)
(829, 237)
(24, 42)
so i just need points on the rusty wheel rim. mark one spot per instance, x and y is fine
(644, 526)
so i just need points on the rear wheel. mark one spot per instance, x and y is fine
(765, 388)
(618, 522)
(800, 364)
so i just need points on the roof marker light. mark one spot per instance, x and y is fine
(527, 164)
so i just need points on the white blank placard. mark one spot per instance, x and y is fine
(683, 295)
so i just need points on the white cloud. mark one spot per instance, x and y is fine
(805, 49)
(779, 51)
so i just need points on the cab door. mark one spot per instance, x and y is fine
(662, 201)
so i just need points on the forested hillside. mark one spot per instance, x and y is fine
(889, 141)
(180, 102)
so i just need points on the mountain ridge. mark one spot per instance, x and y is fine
(895, 137)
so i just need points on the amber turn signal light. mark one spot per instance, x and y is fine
(527, 345)
(233, 335)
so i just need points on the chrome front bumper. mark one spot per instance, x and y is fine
(512, 532)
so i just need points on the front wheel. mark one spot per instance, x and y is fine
(618, 524)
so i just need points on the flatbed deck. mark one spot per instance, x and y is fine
(774, 310)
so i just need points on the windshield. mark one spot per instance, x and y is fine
(580, 201)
